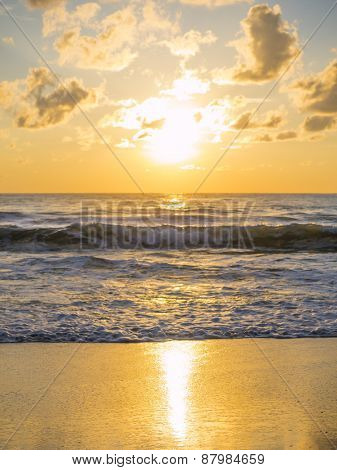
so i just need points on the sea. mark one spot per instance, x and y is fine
(157, 267)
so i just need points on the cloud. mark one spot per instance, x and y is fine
(156, 124)
(212, 3)
(8, 40)
(40, 101)
(8, 93)
(264, 138)
(125, 144)
(318, 92)
(146, 115)
(319, 123)
(111, 43)
(57, 19)
(188, 45)
(222, 76)
(159, 116)
(287, 135)
(268, 47)
(247, 121)
(44, 3)
(213, 119)
(192, 167)
(108, 50)
(143, 134)
(187, 85)
(282, 136)
(86, 52)
(155, 18)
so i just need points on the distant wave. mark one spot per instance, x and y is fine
(11, 215)
(312, 237)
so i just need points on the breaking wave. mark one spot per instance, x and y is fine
(297, 237)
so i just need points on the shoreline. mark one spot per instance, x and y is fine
(214, 394)
(170, 340)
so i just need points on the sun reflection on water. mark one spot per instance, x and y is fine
(174, 202)
(177, 362)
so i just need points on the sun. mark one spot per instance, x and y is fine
(177, 140)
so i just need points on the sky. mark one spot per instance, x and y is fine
(144, 95)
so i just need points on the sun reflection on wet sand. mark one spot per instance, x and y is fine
(216, 394)
(177, 362)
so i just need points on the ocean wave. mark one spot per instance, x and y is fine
(145, 335)
(12, 215)
(312, 237)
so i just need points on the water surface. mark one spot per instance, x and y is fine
(157, 267)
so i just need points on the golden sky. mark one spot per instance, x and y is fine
(162, 88)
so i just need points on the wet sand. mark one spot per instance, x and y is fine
(216, 394)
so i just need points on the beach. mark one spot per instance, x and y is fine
(168, 231)
(168, 321)
(214, 394)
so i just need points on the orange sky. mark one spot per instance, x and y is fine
(167, 86)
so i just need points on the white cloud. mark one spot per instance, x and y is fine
(111, 43)
(8, 93)
(138, 116)
(156, 19)
(110, 49)
(125, 144)
(188, 44)
(213, 119)
(154, 119)
(57, 19)
(187, 85)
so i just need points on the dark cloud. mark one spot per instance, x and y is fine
(157, 124)
(44, 3)
(212, 3)
(287, 135)
(318, 92)
(264, 138)
(319, 123)
(247, 121)
(269, 46)
(44, 101)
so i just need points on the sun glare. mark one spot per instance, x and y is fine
(177, 140)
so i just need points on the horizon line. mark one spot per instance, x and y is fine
(170, 193)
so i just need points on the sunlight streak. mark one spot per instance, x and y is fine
(177, 361)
